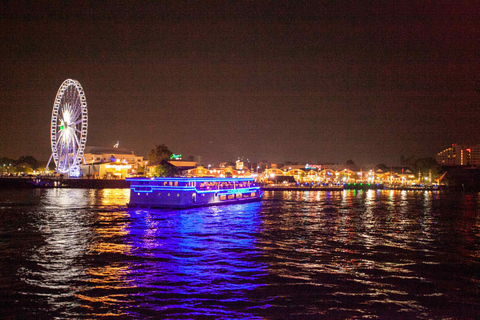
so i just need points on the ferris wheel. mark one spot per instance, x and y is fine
(69, 128)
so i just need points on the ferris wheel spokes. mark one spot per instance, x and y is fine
(69, 127)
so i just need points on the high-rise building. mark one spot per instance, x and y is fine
(475, 155)
(459, 155)
(453, 156)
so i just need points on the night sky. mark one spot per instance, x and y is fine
(316, 81)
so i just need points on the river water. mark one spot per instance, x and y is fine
(79, 253)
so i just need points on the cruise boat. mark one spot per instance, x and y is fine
(191, 192)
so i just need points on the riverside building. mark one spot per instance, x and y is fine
(114, 162)
(459, 155)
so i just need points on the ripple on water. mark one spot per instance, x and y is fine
(385, 254)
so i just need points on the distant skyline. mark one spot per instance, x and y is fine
(279, 81)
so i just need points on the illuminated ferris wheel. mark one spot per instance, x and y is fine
(69, 128)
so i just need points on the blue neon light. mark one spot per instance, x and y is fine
(138, 187)
(224, 191)
(207, 179)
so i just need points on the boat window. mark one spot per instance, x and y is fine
(242, 184)
(245, 184)
(206, 185)
(227, 185)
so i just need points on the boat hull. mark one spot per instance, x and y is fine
(158, 193)
(192, 205)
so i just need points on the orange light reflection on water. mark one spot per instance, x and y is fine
(111, 197)
(111, 228)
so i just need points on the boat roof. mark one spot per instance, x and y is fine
(209, 179)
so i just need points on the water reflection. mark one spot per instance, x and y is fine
(111, 197)
(66, 198)
(69, 236)
(355, 248)
(208, 251)
(341, 254)
(55, 257)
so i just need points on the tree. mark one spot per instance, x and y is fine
(157, 155)
(27, 161)
(427, 167)
(26, 164)
(6, 165)
(160, 171)
(25, 168)
(351, 165)
(6, 161)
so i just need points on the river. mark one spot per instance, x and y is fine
(81, 253)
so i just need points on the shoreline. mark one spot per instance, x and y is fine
(51, 182)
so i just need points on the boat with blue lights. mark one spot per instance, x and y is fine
(191, 192)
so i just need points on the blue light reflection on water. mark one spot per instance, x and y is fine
(197, 261)
(73, 253)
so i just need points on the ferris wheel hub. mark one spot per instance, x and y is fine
(69, 127)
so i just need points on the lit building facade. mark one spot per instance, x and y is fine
(113, 163)
(475, 155)
(99, 154)
(395, 176)
(459, 155)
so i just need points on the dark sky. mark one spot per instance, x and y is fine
(316, 81)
